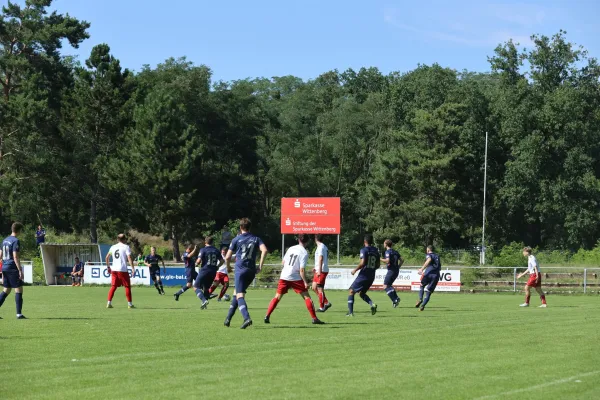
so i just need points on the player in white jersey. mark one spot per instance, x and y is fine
(293, 277)
(320, 273)
(121, 254)
(535, 278)
(222, 278)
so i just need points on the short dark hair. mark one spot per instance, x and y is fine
(77, 258)
(528, 250)
(319, 237)
(121, 237)
(369, 239)
(245, 224)
(303, 238)
(189, 246)
(209, 240)
(388, 243)
(17, 227)
(431, 248)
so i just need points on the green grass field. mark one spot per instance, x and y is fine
(462, 347)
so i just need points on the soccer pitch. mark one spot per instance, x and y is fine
(461, 347)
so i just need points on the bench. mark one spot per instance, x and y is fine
(64, 274)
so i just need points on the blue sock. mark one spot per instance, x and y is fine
(421, 290)
(232, 308)
(366, 298)
(182, 290)
(426, 300)
(391, 293)
(243, 308)
(351, 304)
(200, 295)
(19, 302)
(3, 297)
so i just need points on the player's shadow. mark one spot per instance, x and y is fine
(164, 308)
(326, 326)
(565, 307)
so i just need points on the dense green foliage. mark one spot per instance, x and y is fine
(478, 342)
(94, 148)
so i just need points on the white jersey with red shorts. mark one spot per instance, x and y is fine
(320, 274)
(295, 259)
(534, 280)
(120, 253)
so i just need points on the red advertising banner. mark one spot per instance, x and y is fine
(310, 215)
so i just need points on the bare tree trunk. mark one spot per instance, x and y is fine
(93, 224)
(175, 242)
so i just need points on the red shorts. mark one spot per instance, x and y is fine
(120, 279)
(222, 278)
(319, 279)
(533, 281)
(284, 286)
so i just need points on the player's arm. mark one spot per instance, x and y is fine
(18, 263)
(263, 255)
(385, 260)
(360, 266)
(194, 252)
(108, 261)
(228, 259)
(427, 262)
(146, 263)
(131, 263)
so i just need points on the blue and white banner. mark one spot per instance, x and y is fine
(175, 276)
(98, 275)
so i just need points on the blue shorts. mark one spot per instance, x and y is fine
(190, 275)
(391, 276)
(430, 282)
(362, 284)
(10, 279)
(205, 278)
(155, 273)
(243, 279)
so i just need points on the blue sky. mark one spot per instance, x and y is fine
(239, 39)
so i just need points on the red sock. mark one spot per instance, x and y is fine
(272, 306)
(111, 293)
(223, 291)
(128, 293)
(527, 299)
(543, 297)
(325, 301)
(211, 289)
(311, 308)
(321, 299)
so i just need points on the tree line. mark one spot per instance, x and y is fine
(93, 147)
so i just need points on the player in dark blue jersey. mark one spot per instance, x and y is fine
(12, 272)
(246, 247)
(152, 261)
(430, 276)
(210, 259)
(189, 259)
(370, 260)
(394, 262)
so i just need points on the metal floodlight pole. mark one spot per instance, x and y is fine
(338, 249)
(482, 258)
(282, 246)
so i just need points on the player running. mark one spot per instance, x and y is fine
(535, 278)
(430, 276)
(120, 253)
(222, 278)
(210, 259)
(394, 262)
(189, 259)
(293, 276)
(320, 273)
(246, 247)
(12, 271)
(369, 263)
(151, 261)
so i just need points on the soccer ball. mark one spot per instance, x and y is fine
(227, 297)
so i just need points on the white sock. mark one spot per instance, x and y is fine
(129, 303)
(109, 302)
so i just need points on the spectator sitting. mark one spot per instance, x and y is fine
(141, 260)
(77, 273)
(40, 235)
